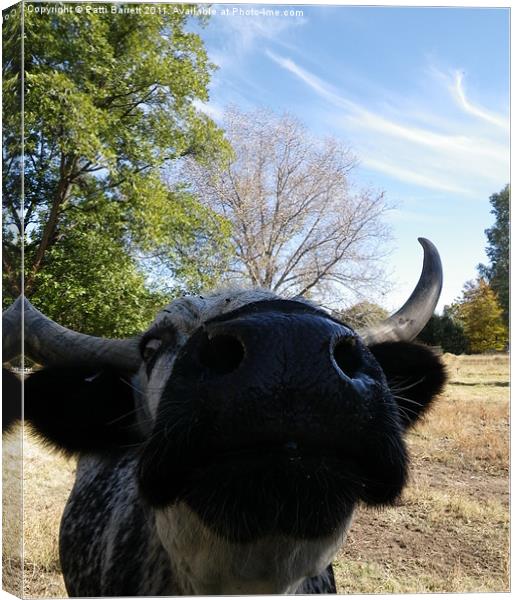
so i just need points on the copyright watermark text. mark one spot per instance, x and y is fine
(160, 9)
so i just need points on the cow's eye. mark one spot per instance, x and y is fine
(150, 347)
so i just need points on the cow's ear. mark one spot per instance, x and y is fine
(11, 399)
(82, 409)
(415, 374)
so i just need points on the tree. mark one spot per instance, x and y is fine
(298, 226)
(12, 134)
(108, 296)
(482, 317)
(453, 337)
(498, 238)
(444, 331)
(431, 332)
(362, 314)
(109, 100)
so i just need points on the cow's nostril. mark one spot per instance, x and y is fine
(222, 354)
(347, 356)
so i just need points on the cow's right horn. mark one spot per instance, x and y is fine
(48, 343)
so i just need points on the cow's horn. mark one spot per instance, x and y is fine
(48, 343)
(410, 319)
(11, 331)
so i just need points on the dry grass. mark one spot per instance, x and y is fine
(448, 534)
(469, 429)
(47, 479)
(12, 536)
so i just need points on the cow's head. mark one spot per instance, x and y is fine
(263, 416)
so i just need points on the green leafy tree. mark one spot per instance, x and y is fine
(109, 103)
(12, 135)
(104, 295)
(444, 331)
(453, 337)
(482, 318)
(498, 241)
(431, 332)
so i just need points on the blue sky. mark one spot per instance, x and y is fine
(421, 95)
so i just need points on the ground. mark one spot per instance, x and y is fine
(448, 533)
(450, 530)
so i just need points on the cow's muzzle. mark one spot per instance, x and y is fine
(274, 403)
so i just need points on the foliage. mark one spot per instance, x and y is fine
(183, 244)
(362, 314)
(498, 238)
(298, 226)
(444, 331)
(104, 295)
(453, 337)
(11, 155)
(482, 318)
(109, 100)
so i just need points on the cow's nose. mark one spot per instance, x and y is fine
(221, 353)
(346, 355)
(265, 343)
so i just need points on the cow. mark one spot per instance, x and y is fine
(225, 450)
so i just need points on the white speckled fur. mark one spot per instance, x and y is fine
(170, 551)
(210, 565)
(185, 315)
(157, 381)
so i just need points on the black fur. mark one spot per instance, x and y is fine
(11, 399)
(82, 409)
(284, 440)
(218, 433)
(105, 505)
(415, 374)
(322, 584)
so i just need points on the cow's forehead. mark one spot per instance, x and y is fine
(190, 311)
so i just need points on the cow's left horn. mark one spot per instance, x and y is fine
(11, 331)
(49, 343)
(410, 319)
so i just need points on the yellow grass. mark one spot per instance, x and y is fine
(449, 532)
(47, 479)
(12, 535)
(470, 426)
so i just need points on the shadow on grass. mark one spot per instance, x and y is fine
(477, 383)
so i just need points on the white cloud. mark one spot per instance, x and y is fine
(231, 40)
(452, 156)
(459, 94)
(214, 111)
(320, 87)
(237, 36)
(437, 183)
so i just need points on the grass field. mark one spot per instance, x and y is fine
(449, 532)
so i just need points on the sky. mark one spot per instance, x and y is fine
(420, 95)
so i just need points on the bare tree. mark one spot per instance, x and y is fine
(298, 225)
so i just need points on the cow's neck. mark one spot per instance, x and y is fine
(205, 564)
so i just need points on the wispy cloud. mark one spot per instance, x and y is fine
(393, 170)
(237, 36)
(459, 93)
(213, 110)
(451, 158)
(314, 82)
(248, 31)
(233, 42)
